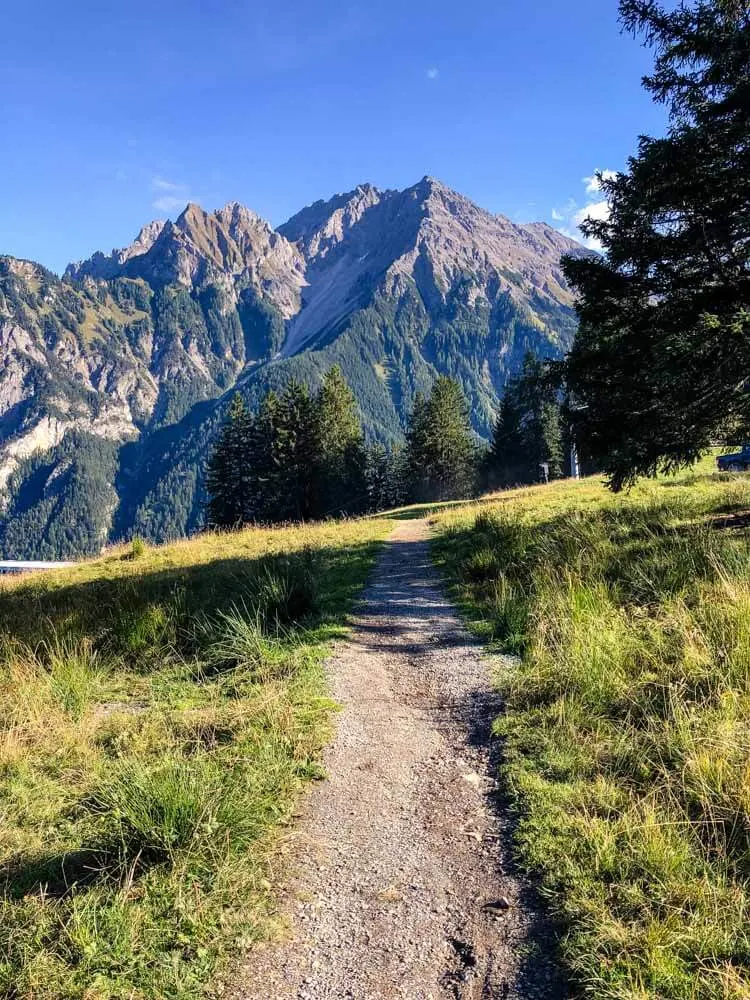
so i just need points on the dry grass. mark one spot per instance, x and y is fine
(160, 709)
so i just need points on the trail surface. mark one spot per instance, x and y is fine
(398, 886)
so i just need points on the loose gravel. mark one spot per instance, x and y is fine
(401, 884)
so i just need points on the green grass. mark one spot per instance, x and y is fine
(160, 710)
(626, 728)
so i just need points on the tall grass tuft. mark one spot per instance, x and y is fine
(239, 637)
(175, 807)
(75, 671)
(283, 592)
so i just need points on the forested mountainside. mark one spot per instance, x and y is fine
(114, 378)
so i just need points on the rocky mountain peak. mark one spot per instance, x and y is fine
(229, 247)
(147, 237)
(395, 286)
(235, 215)
(110, 265)
(322, 226)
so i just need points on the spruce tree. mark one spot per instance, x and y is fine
(294, 454)
(301, 457)
(505, 464)
(441, 446)
(228, 472)
(385, 478)
(266, 473)
(340, 460)
(661, 361)
(527, 430)
(538, 397)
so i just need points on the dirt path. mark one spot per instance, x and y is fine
(399, 888)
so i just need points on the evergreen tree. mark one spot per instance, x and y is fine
(301, 457)
(505, 464)
(441, 447)
(294, 451)
(228, 476)
(386, 478)
(541, 418)
(527, 430)
(661, 362)
(341, 476)
(266, 472)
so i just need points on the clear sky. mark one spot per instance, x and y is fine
(114, 114)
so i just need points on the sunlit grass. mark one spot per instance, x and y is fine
(160, 709)
(626, 731)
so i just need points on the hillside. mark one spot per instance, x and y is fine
(625, 717)
(115, 378)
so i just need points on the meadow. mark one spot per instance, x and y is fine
(626, 725)
(160, 711)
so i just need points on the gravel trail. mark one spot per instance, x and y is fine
(398, 886)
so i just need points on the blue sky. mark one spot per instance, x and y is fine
(116, 114)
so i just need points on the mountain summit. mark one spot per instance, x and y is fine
(115, 378)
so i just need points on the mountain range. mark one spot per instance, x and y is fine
(115, 377)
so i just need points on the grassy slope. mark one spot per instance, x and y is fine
(159, 711)
(627, 719)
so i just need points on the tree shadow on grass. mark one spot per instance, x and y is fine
(128, 614)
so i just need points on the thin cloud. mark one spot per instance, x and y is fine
(433, 73)
(162, 184)
(169, 203)
(171, 195)
(574, 214)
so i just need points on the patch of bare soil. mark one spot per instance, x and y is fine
(401, 881)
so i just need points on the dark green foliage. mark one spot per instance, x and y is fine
(293, 469)
(180, 323)
(301, 457)
(441, 447)
(387, 478)
(227, 479)
(340, 454)
(262, 324)
(662, 356)
(130, 295)
(527, 430)
(61, 501)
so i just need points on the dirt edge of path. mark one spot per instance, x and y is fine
(401, 881)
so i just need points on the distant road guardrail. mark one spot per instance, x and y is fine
(30, 565)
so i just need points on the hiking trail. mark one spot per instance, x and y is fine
(401, 884)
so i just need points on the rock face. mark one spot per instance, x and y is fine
(428, 234)
(114, 379)
(232, 247)
(101, 266)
